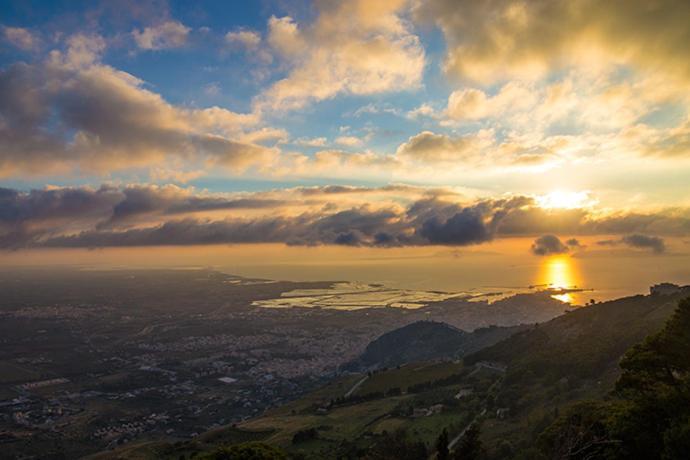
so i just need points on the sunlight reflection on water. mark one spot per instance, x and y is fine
(560, 272)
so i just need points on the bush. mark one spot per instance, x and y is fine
(305, 435)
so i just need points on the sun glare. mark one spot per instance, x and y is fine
(562, 199)
(559, 273)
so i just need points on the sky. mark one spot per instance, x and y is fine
(367, 123)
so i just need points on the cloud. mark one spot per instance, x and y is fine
(248, 39)
(311, 141)
(158, 175)
(170, 200)
(424, 110)
(82, 51)
(464, 227)
(285, 37)
(182, 232)
(349, 141)
(396, 215)
(73, 112)
(356, 47)
(440, 222)
(148, 215)
(641, 241)
(654, 243)
(336, 163)
(375, 109)
(396, 190)
(20, 37)
(669, 142)
(467, 103)
(351, 227)
(438, 148)
(490, 41)
(547, 245)
(424, 222)
(474, 104)
(166, 35)
(577, 117)
(574, 243)
(25, 216)
(50, 204)
(481, 149)
(212, 89)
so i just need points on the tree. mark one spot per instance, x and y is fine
(470, 447)
(442, 446)
(677, 441)
(305, 435)
(650, 419)
(656, 383)
(582, 432)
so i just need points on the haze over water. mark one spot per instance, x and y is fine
(501, 266)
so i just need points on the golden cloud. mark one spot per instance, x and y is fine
(490, 41)
(357, 47)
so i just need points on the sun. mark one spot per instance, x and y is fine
(563, 199)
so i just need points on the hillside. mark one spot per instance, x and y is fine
(420, 341)
(426, 341)
(572, 358)
(583, 343)
(647, 416)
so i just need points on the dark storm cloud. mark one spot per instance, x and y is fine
(352, 228)
(25, 216)
(548, 244)
(428, 221)
(143, 200)
(465, 227)
(439, 222)
(183, 232)
(142, 215)
(18, 208)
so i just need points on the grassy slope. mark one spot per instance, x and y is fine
(358, 422)
(408, 375)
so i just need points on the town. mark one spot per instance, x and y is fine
(123, 363)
